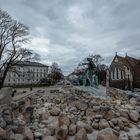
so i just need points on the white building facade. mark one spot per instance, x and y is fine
(25, 73)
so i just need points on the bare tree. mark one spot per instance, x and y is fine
(13, 35)
(97, 59)
(55, 73)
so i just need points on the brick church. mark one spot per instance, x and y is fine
(125, 72)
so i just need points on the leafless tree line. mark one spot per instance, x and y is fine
(13, 35)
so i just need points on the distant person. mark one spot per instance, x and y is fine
(13, 93)
(31, 88)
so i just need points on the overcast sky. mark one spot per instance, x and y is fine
(66, 31)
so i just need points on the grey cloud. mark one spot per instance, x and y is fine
(77, 28)
(131, 42)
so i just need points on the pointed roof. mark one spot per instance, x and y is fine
(132, 61)
(127, 60)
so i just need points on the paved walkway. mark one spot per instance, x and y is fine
(24, 95)
(20, 95)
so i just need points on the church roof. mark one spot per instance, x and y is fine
(127, 61)
(132, 61)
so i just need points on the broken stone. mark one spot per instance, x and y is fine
(82, 105)
(123, 137)
(62, 132)
(111, 124)
(126, 129)
(117, 128)
(44, 116)
(98, 116)
(103, 124)
(55, 111)
(17, 137)
(124, 113)
(95, 125)
(125, 121)
(51, 128)
(89, 112)
(133, 101)
(72, 129)
(64, 120)
(73, 119)
(5, 95)
(106, 134)
(108, 115)
(114, 121)
(86, 126)
(2, 123)
(81, 135)
(73, 109)
(38, 135)
(28, 133)
(3, 133)
(120, 124)
(134, 115)
(48, 138)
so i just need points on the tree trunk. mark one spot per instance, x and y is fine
(1, 84)
(3, 78)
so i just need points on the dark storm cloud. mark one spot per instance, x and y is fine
(66, 31)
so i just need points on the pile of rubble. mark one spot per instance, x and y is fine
(71, 115)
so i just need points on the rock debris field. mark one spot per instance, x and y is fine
(70, 113)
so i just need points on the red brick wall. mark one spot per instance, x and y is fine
(137, 77)
(117, 84)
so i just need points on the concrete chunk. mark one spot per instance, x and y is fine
(5, 95)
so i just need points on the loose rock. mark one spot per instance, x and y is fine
(81, 135)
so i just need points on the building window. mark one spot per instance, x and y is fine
(117, 74)
(113, 75)
(9, 80)
(128, 76)
(121, 74)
